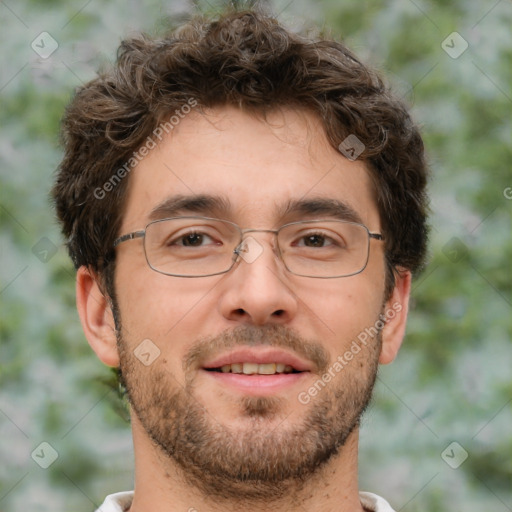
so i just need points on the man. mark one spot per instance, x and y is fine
(245, 209)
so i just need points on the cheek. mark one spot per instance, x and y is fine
(171, 312)
(339, 310)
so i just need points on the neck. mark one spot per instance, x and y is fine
(161, 485)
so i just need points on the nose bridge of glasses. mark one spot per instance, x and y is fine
(250, 230)
(249, 248)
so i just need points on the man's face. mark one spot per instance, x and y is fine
(234, 426)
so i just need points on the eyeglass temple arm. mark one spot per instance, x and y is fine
(128, 236)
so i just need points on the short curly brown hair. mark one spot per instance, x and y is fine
(247, 59)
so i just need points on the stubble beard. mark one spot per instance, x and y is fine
(259, 462)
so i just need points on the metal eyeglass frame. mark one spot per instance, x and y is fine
(238, 249)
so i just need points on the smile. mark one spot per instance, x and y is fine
(255, 368)
(258, 371)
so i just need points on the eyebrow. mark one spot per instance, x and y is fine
(198, 204)
(218, 206)
(326, 207)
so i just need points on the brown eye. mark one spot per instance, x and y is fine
(193, 240)
(314, 241)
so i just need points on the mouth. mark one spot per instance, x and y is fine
(258, 372)
(255, 368)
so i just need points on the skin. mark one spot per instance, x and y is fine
(259, 166)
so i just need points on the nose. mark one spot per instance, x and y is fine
(257, 290)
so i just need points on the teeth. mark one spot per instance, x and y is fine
(255, 368)
(250, 368)
(267, 369)
(236, 367)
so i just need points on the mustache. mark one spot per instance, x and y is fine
(276, 336)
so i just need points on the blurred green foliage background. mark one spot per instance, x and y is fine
(451, 381)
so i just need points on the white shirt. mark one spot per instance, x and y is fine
(121, 502)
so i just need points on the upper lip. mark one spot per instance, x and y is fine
(260, 356)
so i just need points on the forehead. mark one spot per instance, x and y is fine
(255, 169)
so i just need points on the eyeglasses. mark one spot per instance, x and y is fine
(203, 246)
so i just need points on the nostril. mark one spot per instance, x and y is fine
(279, 312)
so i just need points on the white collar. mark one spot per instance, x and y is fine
(121, 501)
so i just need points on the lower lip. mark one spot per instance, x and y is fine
(258, 384)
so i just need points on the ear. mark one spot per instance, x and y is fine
(96, 317)
(396, 309)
